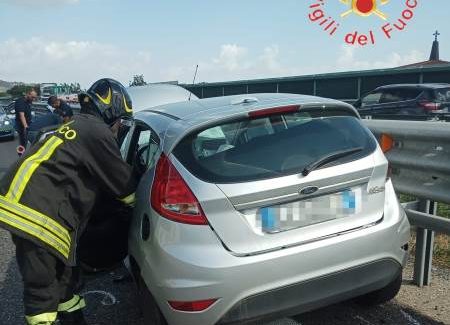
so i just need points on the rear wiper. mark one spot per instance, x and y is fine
(329, 158)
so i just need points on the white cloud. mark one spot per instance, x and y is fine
(231, 57)
(40, 60)
(235, 62)
(39, 3)
(348, 60)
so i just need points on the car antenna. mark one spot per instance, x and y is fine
(193, 81)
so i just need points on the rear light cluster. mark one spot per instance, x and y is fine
(172, 198)
(192, 306)
(386, 144)
(430, 106)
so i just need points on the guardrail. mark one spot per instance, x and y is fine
(419, 158)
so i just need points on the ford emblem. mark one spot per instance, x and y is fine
(309, 190)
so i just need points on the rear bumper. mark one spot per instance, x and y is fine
(315, 293)
(6, 132)
(188, 263)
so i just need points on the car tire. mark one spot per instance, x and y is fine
(382, 295)
(150, 311)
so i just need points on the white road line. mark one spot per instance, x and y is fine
(284, 321)
(108, 298)
(409, 318)
(362, 320)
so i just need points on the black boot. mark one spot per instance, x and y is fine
(73, 318)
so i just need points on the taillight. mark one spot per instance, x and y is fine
(172, 198)
(430, 106)
(192, 306)
(274, 110)
(386, 144)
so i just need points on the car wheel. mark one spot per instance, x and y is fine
(382, 295)
(150, 311)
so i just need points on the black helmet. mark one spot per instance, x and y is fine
(107, 98)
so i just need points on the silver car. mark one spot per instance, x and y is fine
(260, 206)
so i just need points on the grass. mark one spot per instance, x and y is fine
(441, 251)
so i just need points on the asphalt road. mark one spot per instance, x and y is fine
(112, 301)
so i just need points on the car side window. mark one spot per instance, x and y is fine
(125, 144)
(144, 148)
(398, 95)
(371, 99)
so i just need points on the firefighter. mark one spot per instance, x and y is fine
(46, 198)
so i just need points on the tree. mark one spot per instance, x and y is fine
(138, 80)
(21, 89)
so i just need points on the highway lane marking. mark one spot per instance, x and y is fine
(284, 321)
(409, 318)
(108, 298)
(360, 318)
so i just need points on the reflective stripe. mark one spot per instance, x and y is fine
(35, 231)
(46, 318)
(130, 199)
(72, 305)
(107, 100)
(28, 167)
(127, 109)
(36, 217)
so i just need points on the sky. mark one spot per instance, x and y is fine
(84, 40)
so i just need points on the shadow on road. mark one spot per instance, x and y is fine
(109, 302)
(350, 313)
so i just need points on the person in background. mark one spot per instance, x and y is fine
(52, 119)
(61, 108)
(22, 108)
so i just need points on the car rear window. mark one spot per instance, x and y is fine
(270, 147)
(443, 95)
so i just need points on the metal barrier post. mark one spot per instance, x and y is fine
(424, 248)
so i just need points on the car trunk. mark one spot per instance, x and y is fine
(250, 178)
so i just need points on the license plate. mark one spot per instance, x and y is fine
(307, 212)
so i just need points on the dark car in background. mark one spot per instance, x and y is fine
(6, 126)
(415, 100)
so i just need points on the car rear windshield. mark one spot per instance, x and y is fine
(443, 95)
(273, 146)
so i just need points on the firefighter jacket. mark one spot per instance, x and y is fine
(48, 194)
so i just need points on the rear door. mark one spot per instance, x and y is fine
(249, 176)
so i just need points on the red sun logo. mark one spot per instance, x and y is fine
(364, 8)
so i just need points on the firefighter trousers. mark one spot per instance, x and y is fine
(49, 285)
